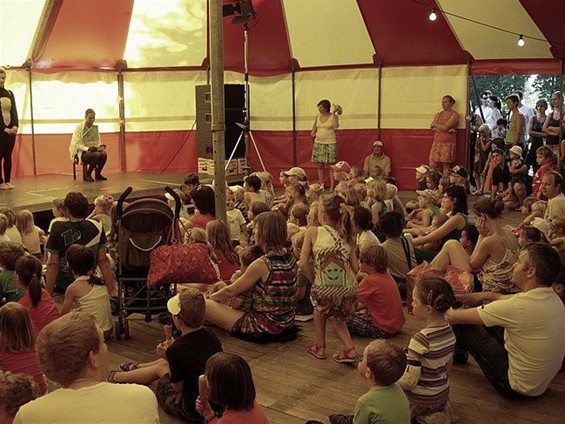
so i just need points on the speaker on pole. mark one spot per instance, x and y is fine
(234, 100)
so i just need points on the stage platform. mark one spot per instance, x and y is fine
(37, 193)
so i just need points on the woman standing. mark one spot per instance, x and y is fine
(553, 125)
(8, 129)
(535, 129)
(494, 116)
(515, 136)
(324, 152)
(445, 135)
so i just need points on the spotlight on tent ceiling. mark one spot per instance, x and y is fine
(433, 15)
(241, 10)
(521, 41)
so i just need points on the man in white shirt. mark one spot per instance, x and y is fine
(72, 353)
(552, 188)
(377, 158)
(517, 340)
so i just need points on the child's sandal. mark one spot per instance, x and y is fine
(344, 357)
(128, 366)
(313, 350)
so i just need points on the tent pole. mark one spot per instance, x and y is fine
(218, 107)
(32, 122)
(294, 159)
(469, 161)
(379, 101)
(121, 108)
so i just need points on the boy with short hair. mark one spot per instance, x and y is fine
(10, 290)
(382, 365)
(183, 360)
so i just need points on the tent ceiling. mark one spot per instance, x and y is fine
(309, 34)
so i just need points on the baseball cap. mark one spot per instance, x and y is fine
(378, 143)
(423, 169)
(432, 194)
(342, 166)
(295, 171)
(459, 170)
(173, 305)
(517, 150)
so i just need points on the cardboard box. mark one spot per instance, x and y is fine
(205, 166)
(233, 168)
(242, 167)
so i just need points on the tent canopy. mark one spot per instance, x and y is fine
(100, 34)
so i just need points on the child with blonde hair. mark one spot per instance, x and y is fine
(428, 208)
(32, 236)
(312, 218)
(3, 228)
(102, 209)
(219, 237)
(88, 291)
(355, 177)
(299, 215)
(430, 351)
(267, 180)
(314, 192)
(236, 221)
(538, 209)
(11, 230)
(17, 343)
(332, 247)
(377, 194)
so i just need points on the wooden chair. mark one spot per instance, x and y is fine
(76, 161)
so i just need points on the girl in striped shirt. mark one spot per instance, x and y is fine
(430, 351)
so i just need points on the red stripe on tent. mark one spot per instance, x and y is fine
(88, 34)
(402, 33)
(517, 67)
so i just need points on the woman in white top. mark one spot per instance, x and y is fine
(324, 151)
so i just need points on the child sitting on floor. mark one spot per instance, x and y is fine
(15, 390)
(17, 343)
(382, 365)
(32, 236)
(314, 192)
(10, 290)
(430, 351)
(379, 308)
(181, 361)
(341, 172)
(88, 291)
(3, 228)
(428, 208)
(528, 235)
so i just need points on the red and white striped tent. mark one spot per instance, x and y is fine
(384, 61)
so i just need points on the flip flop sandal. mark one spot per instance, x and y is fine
(128, 366)
(343, 357)
(313, 350)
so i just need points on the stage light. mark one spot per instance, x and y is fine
(433, 15)
(521, 41)
(241, 10)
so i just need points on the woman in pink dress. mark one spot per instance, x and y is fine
(445, 134)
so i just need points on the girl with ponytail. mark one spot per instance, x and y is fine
(332, 248)
(36, 299)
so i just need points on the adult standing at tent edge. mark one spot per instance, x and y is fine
(8, 130)
(324, 151)
(85, 144)
(445, 135)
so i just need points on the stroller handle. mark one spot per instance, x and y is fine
(177, 200)
(122, 199)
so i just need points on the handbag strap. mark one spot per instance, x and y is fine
(406, 251)
(174, 233)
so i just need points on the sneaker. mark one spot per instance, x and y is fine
(9, 186)
(3, 186)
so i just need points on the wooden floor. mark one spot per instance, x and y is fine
(293, 386)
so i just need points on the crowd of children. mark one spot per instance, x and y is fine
(344, 256)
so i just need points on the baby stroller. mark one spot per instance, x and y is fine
(141, 226)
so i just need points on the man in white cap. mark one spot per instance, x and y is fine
(296, 175)
(377, 158)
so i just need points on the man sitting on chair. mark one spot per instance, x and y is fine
(85, 145)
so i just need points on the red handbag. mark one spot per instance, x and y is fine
(175, 263)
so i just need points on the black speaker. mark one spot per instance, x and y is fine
(234, 100)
